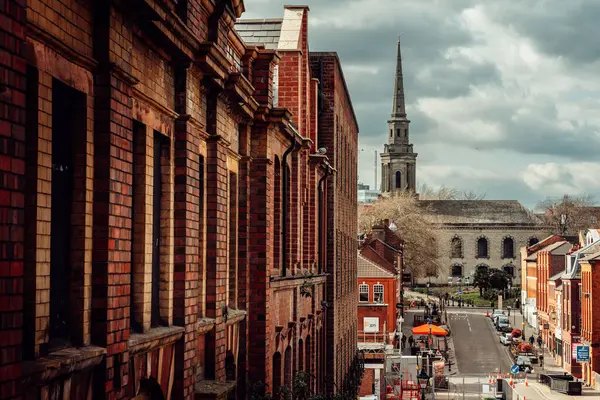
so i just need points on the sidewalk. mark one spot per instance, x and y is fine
(538, 391)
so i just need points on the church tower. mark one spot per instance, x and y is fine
(398, 162)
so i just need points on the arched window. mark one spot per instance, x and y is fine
(457, 270)
(482, 267)
(398, 180)
(300, 355)
(510, 270)
(456, 248)
(378, 293)
(277, 217)
(363, 293)
(482, 248)
(288, 368)
(532, 240)
(391, 132)
(508, 248)
(398, 132)
(276, 374)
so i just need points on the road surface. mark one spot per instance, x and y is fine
(476, 345)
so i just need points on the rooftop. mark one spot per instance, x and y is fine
(479, 212)
(274, 34)
(368, 269)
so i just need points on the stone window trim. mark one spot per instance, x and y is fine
(481, 266)
(456, 247)
(363, 289)
(503, 254)
(487, 249)
(60, 363)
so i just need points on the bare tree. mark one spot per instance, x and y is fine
(445, 193)
(420, 246)
(567, 215)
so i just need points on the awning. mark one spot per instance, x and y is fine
(424, 330)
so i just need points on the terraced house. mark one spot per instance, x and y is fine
(164, 211)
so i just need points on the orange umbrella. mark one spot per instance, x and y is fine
(424, 330)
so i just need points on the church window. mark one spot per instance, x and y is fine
(482, 248)
(532, 241)
(391, 133)
(398, 180)
(457, 270)
(398, 132)
(508, 248)
(406, 132)
(456, 247)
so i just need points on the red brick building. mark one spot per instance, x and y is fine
(379, 283)
(550, 264)
(163, 213)
(318, 330)
(590, 317)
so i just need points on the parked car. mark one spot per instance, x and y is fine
(503, 324)
(524, 362)
(506, 339)
(495, 314)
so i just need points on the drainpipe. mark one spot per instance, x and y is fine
(320, 219)
(284, 207)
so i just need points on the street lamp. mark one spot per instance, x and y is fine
(423, 379)
(429, 341)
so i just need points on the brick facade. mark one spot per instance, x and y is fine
(590, 320)
(164, 221)
(338, 132)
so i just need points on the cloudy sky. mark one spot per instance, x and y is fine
(503, 95)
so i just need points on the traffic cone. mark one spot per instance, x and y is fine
(487, 313)
(526, 381)
(489, 378)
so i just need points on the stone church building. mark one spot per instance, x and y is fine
(472, 234)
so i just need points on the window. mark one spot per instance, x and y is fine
(510, 270)
(482, 267)
(398, 132)
(363, 293)
(398, 180)
(482, 248)
(457, 270)
(378, 293)
(181, 8)
(391, 133)
(593, 219)
(532, 241)
(456, 248)
(233, 239)
(508, 248)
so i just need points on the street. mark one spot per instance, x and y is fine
(476, 345)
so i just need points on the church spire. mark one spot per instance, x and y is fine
(399, 108)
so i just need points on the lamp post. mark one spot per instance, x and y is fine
(429, 341)
(423, 379)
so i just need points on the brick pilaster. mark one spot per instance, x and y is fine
(260, 260)
(216, 251)
(12, 196)
(187, 240)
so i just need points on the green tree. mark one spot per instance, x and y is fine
(499, 279)
(482, 280)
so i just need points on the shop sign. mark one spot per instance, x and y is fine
(583, 353)
(371, 324)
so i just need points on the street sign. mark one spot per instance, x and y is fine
(514, 369)
(583, 354)
(459, 291)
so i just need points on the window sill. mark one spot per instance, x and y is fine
(373, 304)
(62, 362)
(204, 325)
(154, 338)
(208, 390)
(234, 316)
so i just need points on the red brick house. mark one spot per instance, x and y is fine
(380, 284)
(590, 317)
(160, 209)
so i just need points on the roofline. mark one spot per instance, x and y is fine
(339, 65)
(383, 269)
(259, 20)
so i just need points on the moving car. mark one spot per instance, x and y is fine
(506, 339)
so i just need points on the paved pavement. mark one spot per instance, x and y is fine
(477, 347)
